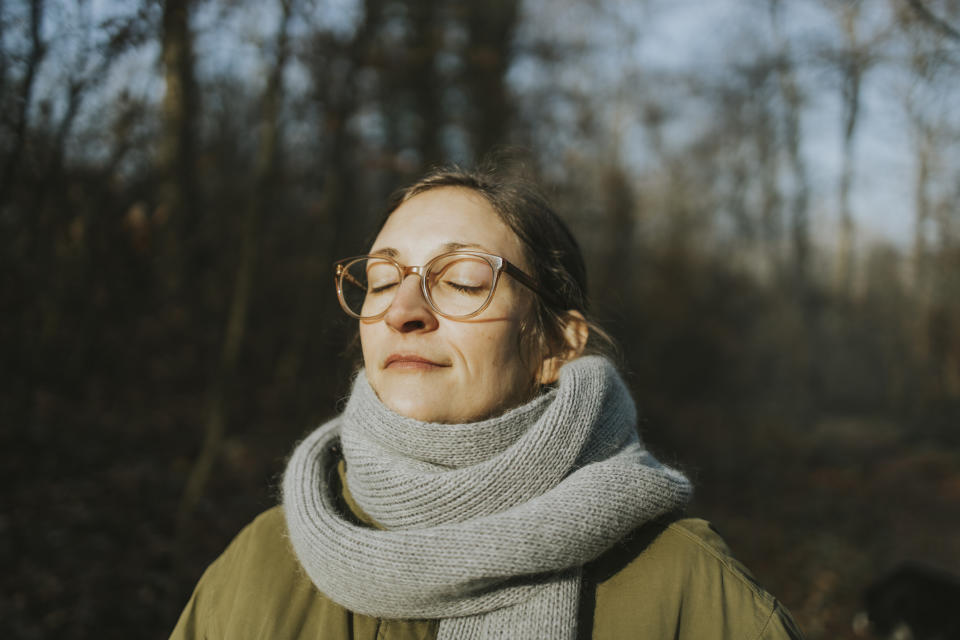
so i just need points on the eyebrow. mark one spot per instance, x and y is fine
(390, 252)
(457, 246)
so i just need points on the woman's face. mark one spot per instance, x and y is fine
(431, 368)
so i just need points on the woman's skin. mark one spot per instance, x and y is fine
(428, 367)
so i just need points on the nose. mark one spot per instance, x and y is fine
(409, 310)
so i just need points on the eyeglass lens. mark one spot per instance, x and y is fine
(458, 284)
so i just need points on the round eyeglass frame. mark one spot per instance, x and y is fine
(499, 264)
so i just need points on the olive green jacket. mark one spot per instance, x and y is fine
(670, 579)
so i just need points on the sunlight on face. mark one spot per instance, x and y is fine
(428, 367)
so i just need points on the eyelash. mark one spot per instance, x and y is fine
(462, 287)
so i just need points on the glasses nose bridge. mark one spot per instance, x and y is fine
(415, 270)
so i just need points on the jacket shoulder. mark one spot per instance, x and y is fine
(679, 579)
(257, 589)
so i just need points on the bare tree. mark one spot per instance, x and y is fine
(177, 148)
(422, 78)
(24, 99)
(3, 49)
(935, 21)
(792, 100)
(265, 173)
(491, 26)
(923, 145)
(852, 60)
(84, 75)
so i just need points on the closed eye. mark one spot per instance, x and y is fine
(382, 288)
(464, 288)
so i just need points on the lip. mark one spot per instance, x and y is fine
(411, 362)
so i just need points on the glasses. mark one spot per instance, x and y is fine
(456, 285)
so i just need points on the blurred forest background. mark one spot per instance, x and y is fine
(176, 178)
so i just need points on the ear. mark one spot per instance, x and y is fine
(576, 330)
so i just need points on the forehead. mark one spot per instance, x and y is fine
(427, 223)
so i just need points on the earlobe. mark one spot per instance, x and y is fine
(576, 331)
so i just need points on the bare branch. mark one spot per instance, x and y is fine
(933, 20)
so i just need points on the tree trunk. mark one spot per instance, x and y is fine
(3, 51)
(177, 153)
(24, 100)
(491, 27)
(620, 206)
(845, 256)
(335, 78)
(422, 78)
(265, 173)
(799, 196)
(853, 62)
(921, 211)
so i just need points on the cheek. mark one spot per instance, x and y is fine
(499, 354)
(485, 343)
(368, 343)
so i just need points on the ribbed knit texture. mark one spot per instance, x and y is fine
(487, 524)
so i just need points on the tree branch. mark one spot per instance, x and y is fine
(933, 20)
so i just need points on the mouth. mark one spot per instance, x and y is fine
(411, 362)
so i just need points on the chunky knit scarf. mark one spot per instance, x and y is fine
(485, 525)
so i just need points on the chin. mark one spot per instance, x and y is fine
(434, 410)
(413, 397)
(412, 404)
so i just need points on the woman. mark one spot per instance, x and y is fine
(485, 478)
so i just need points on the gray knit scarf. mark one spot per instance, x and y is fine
(485, 525)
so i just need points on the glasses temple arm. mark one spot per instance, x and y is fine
(529, 282)
(343, 273)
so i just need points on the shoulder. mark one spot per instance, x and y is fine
(256, 588)
(261, 544)
(679, 579)
(268, 526)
